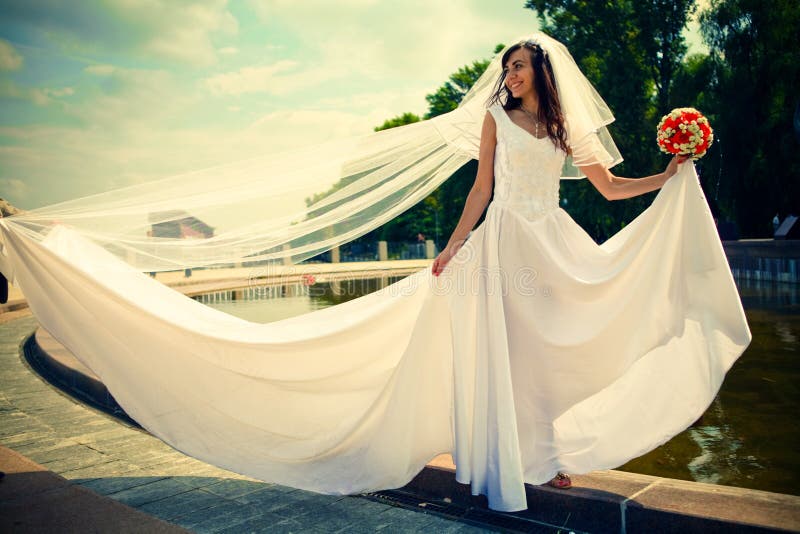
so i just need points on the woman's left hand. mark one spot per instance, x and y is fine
(672, 168)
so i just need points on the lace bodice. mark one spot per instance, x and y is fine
(527, 170)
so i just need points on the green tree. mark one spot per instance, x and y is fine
(692, 84)
(658, 27)
(400, 120)
(755, 76)
(447, 97)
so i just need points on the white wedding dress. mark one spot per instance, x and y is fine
(574, 356)
(536, 351)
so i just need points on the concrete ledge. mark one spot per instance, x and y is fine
(13, 305)
(213, 280)
(601, 501)
(61, 368)
(616, 501)
(762, 248)
(200, 287)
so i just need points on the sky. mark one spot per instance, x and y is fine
(97, 95)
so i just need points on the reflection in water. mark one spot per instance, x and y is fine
(748, 436)
(757, 293)
(267, 303)
(723, 456)
(785, 334)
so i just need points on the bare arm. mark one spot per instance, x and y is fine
(616, 188)
(478, 196)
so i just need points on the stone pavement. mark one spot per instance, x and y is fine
(96, 452)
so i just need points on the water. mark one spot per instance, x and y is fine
(748, 437)
(265, 304)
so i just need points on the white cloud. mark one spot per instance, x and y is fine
(99, 70)
(133, 95)
(413, 38)
(9, 89)
(14, 190)
(9, 58)
(179, 31)
(188, 44)
(161, 29)
(308, 126)
(37, 95)
(57, 163)
(61, 163)
(378, 105)
(57, 93)
(264, 79)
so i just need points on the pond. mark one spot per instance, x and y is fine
(748, 436)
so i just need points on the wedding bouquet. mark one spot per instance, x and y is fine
(686, 132)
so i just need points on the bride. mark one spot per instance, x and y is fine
(526, 351)
(527, 105)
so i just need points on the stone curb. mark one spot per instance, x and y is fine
(616, 501)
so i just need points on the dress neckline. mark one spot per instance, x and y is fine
(521, 128)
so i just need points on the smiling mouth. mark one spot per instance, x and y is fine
(514, 85)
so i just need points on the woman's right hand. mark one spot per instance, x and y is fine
(443, 258)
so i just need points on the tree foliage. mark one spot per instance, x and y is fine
(632, 50)
(754, 75)
(447, 97)
(400, 120)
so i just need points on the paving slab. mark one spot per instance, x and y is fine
(182, 504)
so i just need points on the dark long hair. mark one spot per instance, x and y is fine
(549, 113)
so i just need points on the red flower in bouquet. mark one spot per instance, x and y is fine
(686, 132)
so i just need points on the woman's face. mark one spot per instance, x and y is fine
(519, 73)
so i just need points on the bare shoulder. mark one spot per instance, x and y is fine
(488, 139)
(489, 124)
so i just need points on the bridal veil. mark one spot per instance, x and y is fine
(291, 206)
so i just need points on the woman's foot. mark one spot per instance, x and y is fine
(560, 481)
